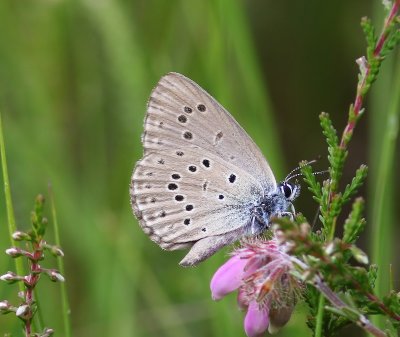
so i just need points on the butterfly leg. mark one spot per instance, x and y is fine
(290, 214)
(259, 220)
(208, 246)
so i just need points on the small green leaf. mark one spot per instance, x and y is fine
(39, 223)
(354, 224)
(369, 33)
(313, 186)
(356, 183)
(328, 130)
(372, 275)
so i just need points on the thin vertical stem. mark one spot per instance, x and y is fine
(9, 205)
(60, 264)
(320, 316)
(383, 230)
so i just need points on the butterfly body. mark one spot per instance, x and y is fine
(202, 182)
(273, 204)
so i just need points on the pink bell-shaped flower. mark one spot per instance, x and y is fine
(260, 271)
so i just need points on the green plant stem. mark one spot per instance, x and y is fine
(19, 267)
(383, 232)
(60, 264)
(320, 316)
(38, 321)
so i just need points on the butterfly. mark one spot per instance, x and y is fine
(202, 183)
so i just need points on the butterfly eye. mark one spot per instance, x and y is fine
(286, 190)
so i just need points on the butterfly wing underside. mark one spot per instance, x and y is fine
(200, 173)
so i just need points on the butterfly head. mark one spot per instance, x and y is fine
(289, 190)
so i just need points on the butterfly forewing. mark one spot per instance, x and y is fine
(200, 175)
(181, 114)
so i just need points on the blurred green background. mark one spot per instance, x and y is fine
(74, 80)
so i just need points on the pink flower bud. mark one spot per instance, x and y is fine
(228, 277)
(256, 320)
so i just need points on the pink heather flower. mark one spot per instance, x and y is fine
(228, 277)
(256, 320)
(260, 271)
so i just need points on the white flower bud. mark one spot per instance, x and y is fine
(13, 252)
(359, 255)
(330, 248)
(10, 276)
(387, 4)
(19, 236)
(47, 332)
(363, 65)
(57, 251)
(56, 276)
(4, 305)
(22, 310)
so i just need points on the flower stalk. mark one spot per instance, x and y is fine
(27, 309)
(369, 67)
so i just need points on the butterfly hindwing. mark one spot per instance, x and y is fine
(181, 196)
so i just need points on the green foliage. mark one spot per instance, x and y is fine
(39, 223)
(355, 184)
(354, 224)
(372, 275)
(329, 132)
(329, 261)
(313, 185)
(73, 104)
(369, 33)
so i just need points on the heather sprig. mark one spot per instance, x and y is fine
(35, 250)
(337, 272)
(333, 272)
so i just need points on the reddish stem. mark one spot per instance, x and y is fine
(388, 21)
(31, 281)
(358, 102)
(381, 305)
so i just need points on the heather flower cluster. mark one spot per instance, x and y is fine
(261, 273)
(27, 307)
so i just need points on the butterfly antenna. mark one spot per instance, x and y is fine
(289, 176)
(300, 174)
(320, 172)
(293, 176)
